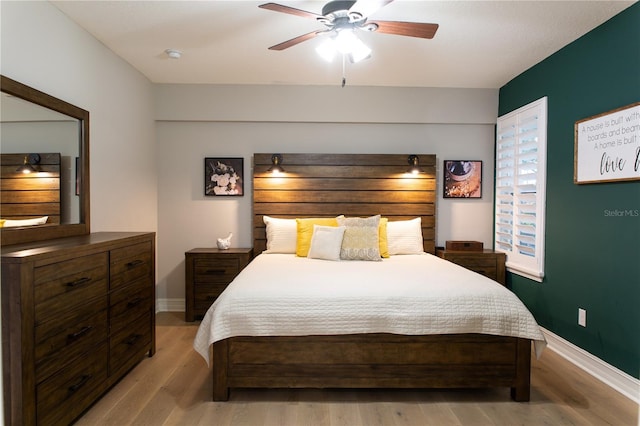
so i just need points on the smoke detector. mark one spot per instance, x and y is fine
(173, 53)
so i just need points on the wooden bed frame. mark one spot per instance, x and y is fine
(361, 185)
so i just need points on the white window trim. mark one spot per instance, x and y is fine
(528, 266)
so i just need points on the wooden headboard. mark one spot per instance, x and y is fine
(25, 196)
(328, 185)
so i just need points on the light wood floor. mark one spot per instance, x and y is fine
(174, 388)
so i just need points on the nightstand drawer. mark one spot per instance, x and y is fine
(215, 271)
(206, 294)
(473, 262)
(486, 262)
(487, 271)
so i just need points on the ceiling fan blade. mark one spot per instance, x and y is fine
(290, 10)
(368, 7)
(296, 40)
(411, 29)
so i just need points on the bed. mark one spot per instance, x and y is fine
(294, 321)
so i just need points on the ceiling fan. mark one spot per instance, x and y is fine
(339, 15)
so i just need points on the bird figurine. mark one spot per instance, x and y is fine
(225, 243)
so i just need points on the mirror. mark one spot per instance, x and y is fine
(35, 122)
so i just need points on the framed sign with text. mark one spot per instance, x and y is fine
(607, 146)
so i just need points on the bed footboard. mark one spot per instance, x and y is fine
(372, 361)
(220, 367)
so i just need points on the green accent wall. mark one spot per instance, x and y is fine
(592, 239)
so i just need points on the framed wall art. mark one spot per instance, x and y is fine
(607, 146)
(462, 179)
(223, 176)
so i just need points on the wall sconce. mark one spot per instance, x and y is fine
(276, 168)
(30, 164)
(414, 165)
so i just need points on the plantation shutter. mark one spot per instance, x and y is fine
(521, 141)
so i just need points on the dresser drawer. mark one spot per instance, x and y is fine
(61, 340)
(65, 285)
(215, 271)
(64, 396)
(127, 346)
(129, 302)
(71, 268)
(130, 263)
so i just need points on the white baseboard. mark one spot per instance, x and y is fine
(170, 305)
(619, 380)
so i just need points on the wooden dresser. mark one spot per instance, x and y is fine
(77, 314)
(489, 263)
(208, 271)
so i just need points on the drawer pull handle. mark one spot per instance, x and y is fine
(83, 381)
(134, 302)
(132, 339)
(78, 282)
(80, 333)
(135, 263)
(214, 271)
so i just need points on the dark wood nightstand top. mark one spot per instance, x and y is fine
(215, 250)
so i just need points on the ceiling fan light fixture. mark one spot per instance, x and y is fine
(360, 52)
(327, 50)
(345, 16)
(346, 43)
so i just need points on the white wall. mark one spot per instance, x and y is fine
(42, 48)
(195, 122)
(147, 177)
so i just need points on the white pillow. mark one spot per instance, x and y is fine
(281, 235)
(405, 237)
(11, 223)
(326, 242)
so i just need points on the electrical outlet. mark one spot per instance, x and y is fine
(582, 317)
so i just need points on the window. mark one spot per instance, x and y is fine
(521, 169)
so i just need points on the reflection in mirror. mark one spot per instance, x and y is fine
(29, 128)
(34, 124)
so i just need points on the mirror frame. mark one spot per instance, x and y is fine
(47, 232)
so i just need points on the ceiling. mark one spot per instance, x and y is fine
(479, 44)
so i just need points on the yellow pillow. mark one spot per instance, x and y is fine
(382, 237)
(2, 223)
(304, 233)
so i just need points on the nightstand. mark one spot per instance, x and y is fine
(208, 271)
(486, 262)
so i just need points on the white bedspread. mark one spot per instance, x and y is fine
(285, 295)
